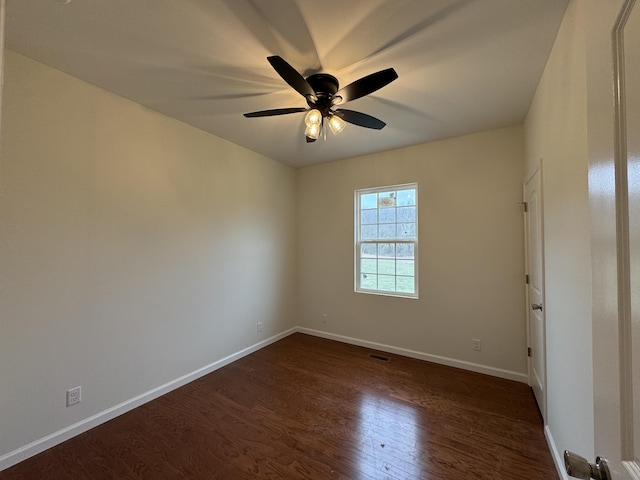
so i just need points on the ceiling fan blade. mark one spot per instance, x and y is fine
(367, 85)
(291, 76)
(276, 111)
(360, 119)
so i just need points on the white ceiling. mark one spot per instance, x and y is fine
(464, 66)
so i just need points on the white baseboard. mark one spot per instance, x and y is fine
(82, 426)
(558, 457)
(473, 367)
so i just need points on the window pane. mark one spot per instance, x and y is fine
(369, 281)
(386, 199)
(407, 214)
(405, 284)
(405, 250)
(404, 267)
(386, 283)
(369, 232)
(369, 265)
(387, 267)
(387, 231)
(387, 250)
(368, 217)
(387, 215)
(369, 250)
(407, 197)
(369, 200)
(406, 230)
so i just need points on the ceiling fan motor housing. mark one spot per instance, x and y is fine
(325, 86)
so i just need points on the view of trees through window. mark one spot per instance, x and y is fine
(387, 240)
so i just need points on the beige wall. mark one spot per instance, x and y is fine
(471, 266)
(556, 131)
(134, 249)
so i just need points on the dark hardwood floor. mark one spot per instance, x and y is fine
(310, 408)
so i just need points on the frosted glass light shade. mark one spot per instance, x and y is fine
(336, 124)
(312, 131)
(314, 117)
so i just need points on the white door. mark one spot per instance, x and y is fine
(631, 157)
(627, 136)
(613, 46)
(535, 288)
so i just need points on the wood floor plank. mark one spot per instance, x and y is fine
(311, 408)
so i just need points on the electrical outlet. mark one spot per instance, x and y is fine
(324, 318)
(259, 327)
(477, 344)
(74, 395)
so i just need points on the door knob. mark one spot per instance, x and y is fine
(579, 467)
(536, 306)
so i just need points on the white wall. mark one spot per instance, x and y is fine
(556, 130)
(471, 266)
(134, 249)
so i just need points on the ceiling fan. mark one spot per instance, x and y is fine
(323, 96)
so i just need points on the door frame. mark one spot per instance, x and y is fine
(536, 169)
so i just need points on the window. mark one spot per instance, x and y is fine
(386, 243)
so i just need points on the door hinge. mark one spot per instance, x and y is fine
(526, 279)
(524, 205)
(528, 351)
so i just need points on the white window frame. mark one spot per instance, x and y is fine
(358, 288)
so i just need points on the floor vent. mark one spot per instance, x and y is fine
(378, 357)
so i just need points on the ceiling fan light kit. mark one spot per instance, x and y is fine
(322, 93)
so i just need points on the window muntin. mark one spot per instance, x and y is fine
(386, 243)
